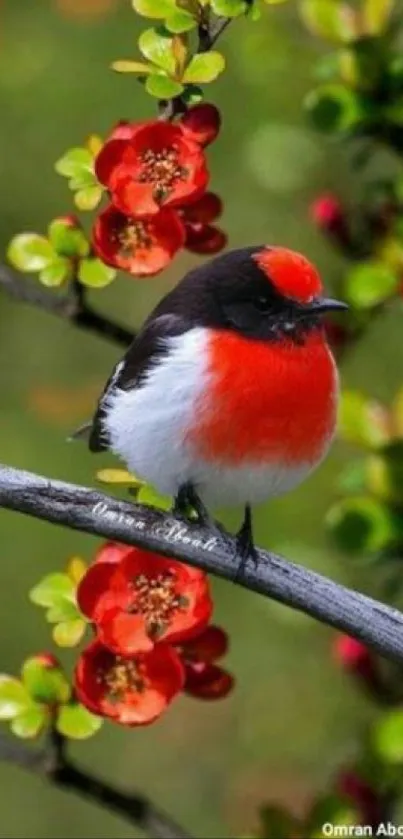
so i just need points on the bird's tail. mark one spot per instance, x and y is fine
(81, 433)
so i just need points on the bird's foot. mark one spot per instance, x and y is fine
(188, 501)
(245, 548)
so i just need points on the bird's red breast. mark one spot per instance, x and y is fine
(266, 401)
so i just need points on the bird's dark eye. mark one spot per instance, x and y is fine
(262, 304)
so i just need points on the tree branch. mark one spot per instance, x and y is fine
(52, 765)
(81, 508)
(72, 306)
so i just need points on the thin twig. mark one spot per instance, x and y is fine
(71, 306)
(87, 510)
(52, 765)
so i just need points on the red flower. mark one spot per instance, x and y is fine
(327, 212)
(207, 647)
(204, 679)
(207, 681)
(353, 655)
(132, 691)
(143, 599)
(202, 237)
(158, 163)
(142, 247)
(112, 552)
(202, 123)
(359, 661)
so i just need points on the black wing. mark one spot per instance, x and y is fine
(147, 348)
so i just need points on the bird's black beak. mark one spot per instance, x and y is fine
(321, 305)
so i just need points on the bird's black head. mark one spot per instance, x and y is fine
(264, 293)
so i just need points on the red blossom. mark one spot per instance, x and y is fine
(207, 647)
(202, 237)
(327, 211)
(205, 239)
(202, 123)
(157, 164)
(207, 681)
(112, 552)
(47, 660)
(69, 220)
(358, 660)
(204, 679)
(131, 691)
(144, 599)
(143, 247)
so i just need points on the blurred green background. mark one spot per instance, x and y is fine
(293, 718)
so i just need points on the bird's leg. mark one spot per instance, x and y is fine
(186, 499)
(203, 514)
(244, 543)
(181, 502)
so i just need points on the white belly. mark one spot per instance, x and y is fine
(147, 428)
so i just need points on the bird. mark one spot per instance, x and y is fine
(228, 394)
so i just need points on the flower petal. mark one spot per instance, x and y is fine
(202, 123)
(131, 691)
(142, 247)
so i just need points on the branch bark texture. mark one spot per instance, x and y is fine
(81, 508)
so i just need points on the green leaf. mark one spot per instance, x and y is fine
(43, 683)
(30, 252)
(388, 736)
(334, 107)
(76, 722)
(376, 15)
(118, 476)
(153, 8)
(13, 697)
(180, 21)
(330, 19)
(69, 633)
(370, 283)
(162, 87)
(94, 273)
(156, 46)
(148, 495)
(361, 524)
(130, 67)
(52, 589)
(59, 270)
(63, 610)
(229, 8)
(363, 421)
(253, 12)
(67, 239)
(31, 722)
(75, 162)
(204, 67)
(88, 198)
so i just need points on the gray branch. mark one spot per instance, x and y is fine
(52, 765)
(71, 306)
(87, 510)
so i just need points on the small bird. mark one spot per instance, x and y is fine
(228, 394)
